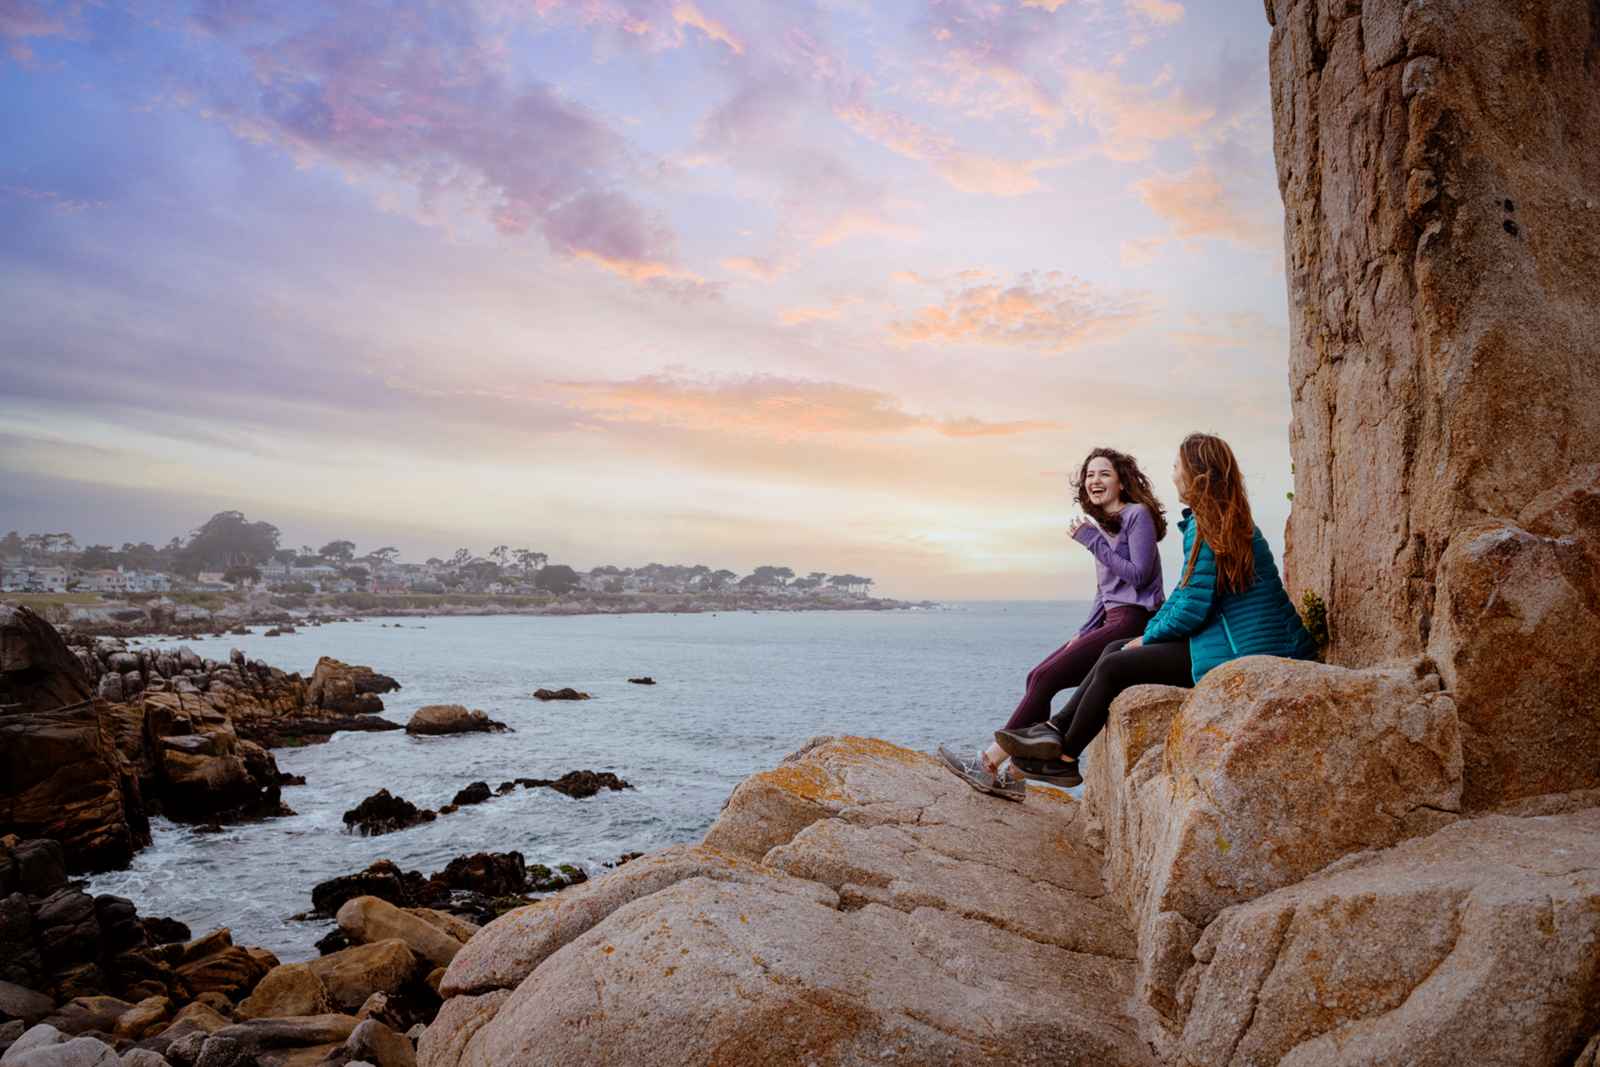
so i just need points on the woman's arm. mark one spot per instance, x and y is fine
(1187, 609)
(1143, 561)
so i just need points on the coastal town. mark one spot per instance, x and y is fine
(229, 554)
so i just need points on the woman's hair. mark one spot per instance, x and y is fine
(1221, 510)
(1135, 490)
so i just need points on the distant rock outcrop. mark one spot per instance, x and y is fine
(437, 719)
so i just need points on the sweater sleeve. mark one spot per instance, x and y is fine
(1186, 610)
(1141, 565)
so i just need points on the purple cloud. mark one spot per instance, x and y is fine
(423, 93)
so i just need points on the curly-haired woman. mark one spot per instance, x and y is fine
(1128, 523)
(1229, 603)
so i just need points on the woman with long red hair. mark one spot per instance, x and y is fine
(1228, 603)
(1127, 521)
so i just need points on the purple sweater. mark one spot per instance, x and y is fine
(1128, 567)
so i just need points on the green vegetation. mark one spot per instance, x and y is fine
(1314, 613)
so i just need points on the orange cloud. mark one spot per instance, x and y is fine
(1048, 311)
(764, 270)
(772, 406)
(799, 316)
(1138, 251)
(1159, 12)
(1132, 119)
(687, 14)
(1051, 6)
(860, 223)
(970, 172)
(1197, 205)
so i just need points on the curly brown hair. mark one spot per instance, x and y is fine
(1135, 490)
(1221, 511)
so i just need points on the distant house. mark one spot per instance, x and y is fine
(104, 581)
(47, 580)
(148, 582)
(388, 584)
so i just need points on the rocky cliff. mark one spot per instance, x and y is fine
(1440, 169)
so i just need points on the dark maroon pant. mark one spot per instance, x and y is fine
(1070, 664)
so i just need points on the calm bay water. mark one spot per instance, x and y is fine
(736, 693)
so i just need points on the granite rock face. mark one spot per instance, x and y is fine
(1479, 944)
(779, 946)
(1437, 162)
(61, 776)
(1265, 773)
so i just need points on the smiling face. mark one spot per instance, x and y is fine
(1101, 484)
(1180, 479)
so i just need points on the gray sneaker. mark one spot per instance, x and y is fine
(972, 771)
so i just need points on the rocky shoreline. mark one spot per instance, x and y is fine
(167, 618)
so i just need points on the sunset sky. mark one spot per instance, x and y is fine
(843, 286)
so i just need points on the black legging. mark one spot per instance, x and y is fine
(1118, 668)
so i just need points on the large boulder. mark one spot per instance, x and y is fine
(1479, 944)
(864, 906)
(367, 920)
(345, 689)
(450, 719)
(287, 989)
(352, 975)
(203, 770)
(1437, 163)
(1265, 773)
(61, 776)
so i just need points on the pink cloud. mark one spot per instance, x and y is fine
(687, 14)
(1048, 311)
(1158, 12)
(1198, 204)
(1132, 119)
(773, 406)
(970, 172)
(760, 268)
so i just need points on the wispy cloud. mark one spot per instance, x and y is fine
(759, 267)
(1157, 12)
(971, 172)
(774, 406)
(402, 89)
(1049, 311)
(1198, 204)
(1132, 119)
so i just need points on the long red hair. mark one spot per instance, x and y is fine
(1221, 511)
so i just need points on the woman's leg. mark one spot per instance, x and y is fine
(1164, 663)
(1070, 664)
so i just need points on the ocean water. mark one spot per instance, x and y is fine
(735, 693)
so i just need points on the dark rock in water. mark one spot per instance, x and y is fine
(285, 778)
(274, 632)
(451, 719)
(560, 694)
(476, 793)
(384, 879)
(624, 858)
(333, 941)
(577, 783)
(383, 813)
(448, 809)
(494, 874)
(646, 680)
(505, 787)
(163, 931)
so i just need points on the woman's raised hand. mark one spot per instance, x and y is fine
(1078, 522)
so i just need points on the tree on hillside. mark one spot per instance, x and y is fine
(500, 553)
(720, 579)
(461, 557)
(772, 575)
(11, 544)
(386, 554)
(556, 578)
(97, 557)
(239, 575)
(851, 582)
(228, 539)
(285, 556)
(343, 551)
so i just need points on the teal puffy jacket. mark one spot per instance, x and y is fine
(1257, 622)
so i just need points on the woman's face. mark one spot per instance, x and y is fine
(1101, 484)
(1180, 479)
